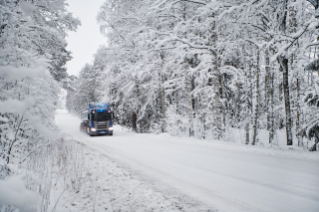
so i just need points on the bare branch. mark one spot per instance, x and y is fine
(315, 3)
(111, 25)
(297, 37)
(312, 44)
(238, 7)
(15, 139)
(196, 2)
(168, 16)
(194, 47)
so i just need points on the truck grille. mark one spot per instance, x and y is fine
(102, 126)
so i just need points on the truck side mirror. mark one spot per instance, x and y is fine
(88, 116)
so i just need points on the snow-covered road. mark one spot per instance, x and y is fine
(225, 176)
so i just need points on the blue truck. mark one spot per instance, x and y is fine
(99, 120)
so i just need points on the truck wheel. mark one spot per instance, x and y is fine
(110, 134)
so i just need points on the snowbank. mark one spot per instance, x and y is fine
(14, 192)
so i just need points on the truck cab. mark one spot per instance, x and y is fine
(99, 120)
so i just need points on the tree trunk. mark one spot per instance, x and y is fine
(255, 123)
(194, 106)
(269, 97)
(251, 91)
(204, 111)
(217, 105)
(247, 112)
(223, 104)
(189, 101)
(284, 63)
(162, 94)
(298, 114)
(314, 146)
(134, 119)
(163, 110)
(280, 121)
(272, 118)
(216, 101)
(139, 127)
(267, 87)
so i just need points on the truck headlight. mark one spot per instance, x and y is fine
(110, 128)
(93, 129)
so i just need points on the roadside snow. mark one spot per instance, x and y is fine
(13, 192)
(110, 187)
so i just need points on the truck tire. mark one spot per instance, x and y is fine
(110, 134)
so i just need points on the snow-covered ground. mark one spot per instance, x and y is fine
(146, 172)
(109, 186)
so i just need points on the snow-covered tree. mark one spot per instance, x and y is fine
(209, 68)
(32, 44)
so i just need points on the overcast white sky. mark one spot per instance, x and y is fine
(84, 43)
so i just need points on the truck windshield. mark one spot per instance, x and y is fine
(102, 116)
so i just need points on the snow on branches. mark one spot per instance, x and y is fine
(211, 68)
